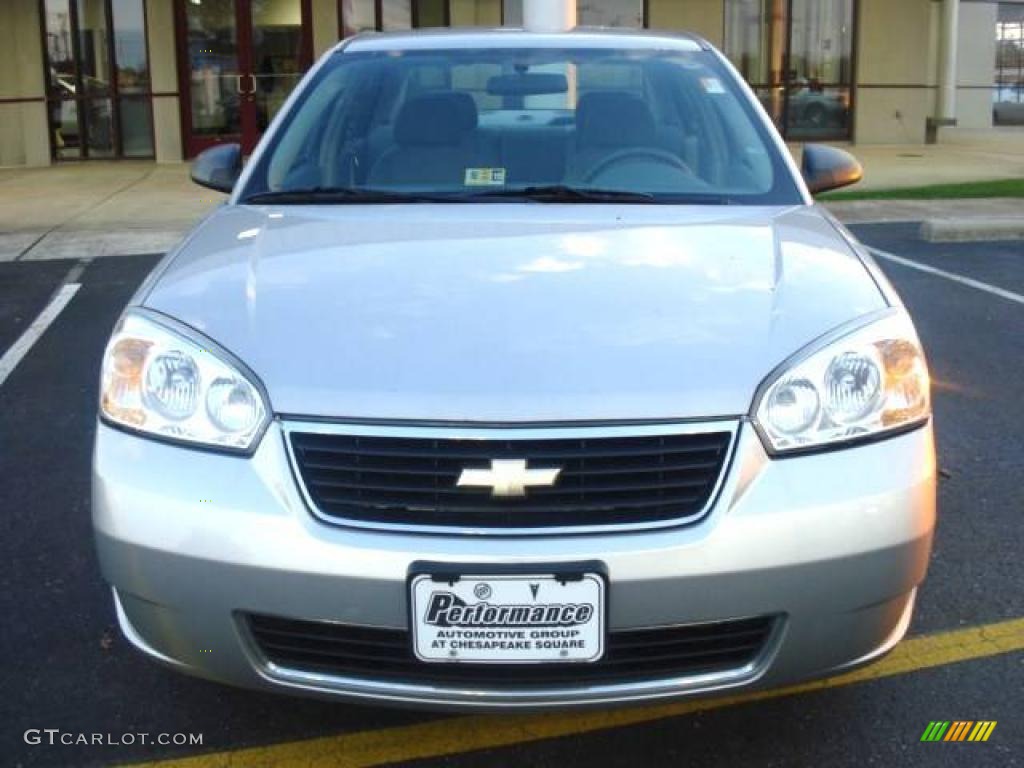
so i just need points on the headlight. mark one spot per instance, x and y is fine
(872, 381)
(161, 382)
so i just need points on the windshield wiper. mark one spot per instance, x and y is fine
(553, 193)
(329, 195)
(563, 193)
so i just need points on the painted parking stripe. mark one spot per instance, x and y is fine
(977, 284)
(31, 335)
(460, 735)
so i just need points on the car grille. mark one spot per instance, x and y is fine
(343, 650)
(605, 481)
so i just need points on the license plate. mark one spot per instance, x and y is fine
(508, 619)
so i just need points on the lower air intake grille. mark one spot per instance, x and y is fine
(342, 650)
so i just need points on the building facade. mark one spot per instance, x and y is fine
(164, 79)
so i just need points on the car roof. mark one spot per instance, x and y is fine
(510, 37)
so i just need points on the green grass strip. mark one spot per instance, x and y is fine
(974, 189)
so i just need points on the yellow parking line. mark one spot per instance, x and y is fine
(465, 734)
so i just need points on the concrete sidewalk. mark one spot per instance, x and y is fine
(114, 208)
(961, 157)
(97, 209)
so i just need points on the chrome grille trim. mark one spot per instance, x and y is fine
(381, 654)
(485, 698)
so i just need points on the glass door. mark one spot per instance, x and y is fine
(212, 100)
(820, 72)
(798, 57)
(77, 34)
(278, 56)
(755, 40)
(241, 60)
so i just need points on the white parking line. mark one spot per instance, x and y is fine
(20, 348)
(977, 284)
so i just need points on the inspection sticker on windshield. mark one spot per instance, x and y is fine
(509, 619)
(712, 85)
(485, 177)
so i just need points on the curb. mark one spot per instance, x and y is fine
(968, 230)
(92, 244)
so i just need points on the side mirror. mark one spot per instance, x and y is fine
(826, 168)
(218, 167)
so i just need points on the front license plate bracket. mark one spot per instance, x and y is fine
(521, 614)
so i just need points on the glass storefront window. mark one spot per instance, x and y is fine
(817, 111)
(60, 49)
(396, 14)
(136, 127)
(431, 13)
(755, 39)
(512, 15)
(797, 55)
(1008, 94)
(96, 51)
(361, 15)
(474, 13)
(611, 13)
(213, 66)
(93, 53)
(276, 54)
(357, 16)
(66, 135)
(591, 13)
(99, 127)
(243, 59)
(822, 39)
(131, 56)
(820, 71)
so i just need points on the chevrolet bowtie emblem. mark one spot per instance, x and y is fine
(508, 477)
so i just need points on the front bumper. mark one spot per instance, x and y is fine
(834, 544)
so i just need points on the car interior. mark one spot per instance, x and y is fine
(613, 123)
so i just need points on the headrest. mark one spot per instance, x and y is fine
(614, 119)
(436, 119)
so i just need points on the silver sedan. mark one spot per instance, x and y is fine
(519, 370)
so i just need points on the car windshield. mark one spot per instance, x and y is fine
(498, 124)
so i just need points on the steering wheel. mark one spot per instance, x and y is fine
(634, 153)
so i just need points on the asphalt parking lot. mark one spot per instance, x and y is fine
(65, 665)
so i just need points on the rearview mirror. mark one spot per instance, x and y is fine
(218, 167)
(528, 84)
(826, 168)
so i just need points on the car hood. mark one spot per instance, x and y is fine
(513, 313)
